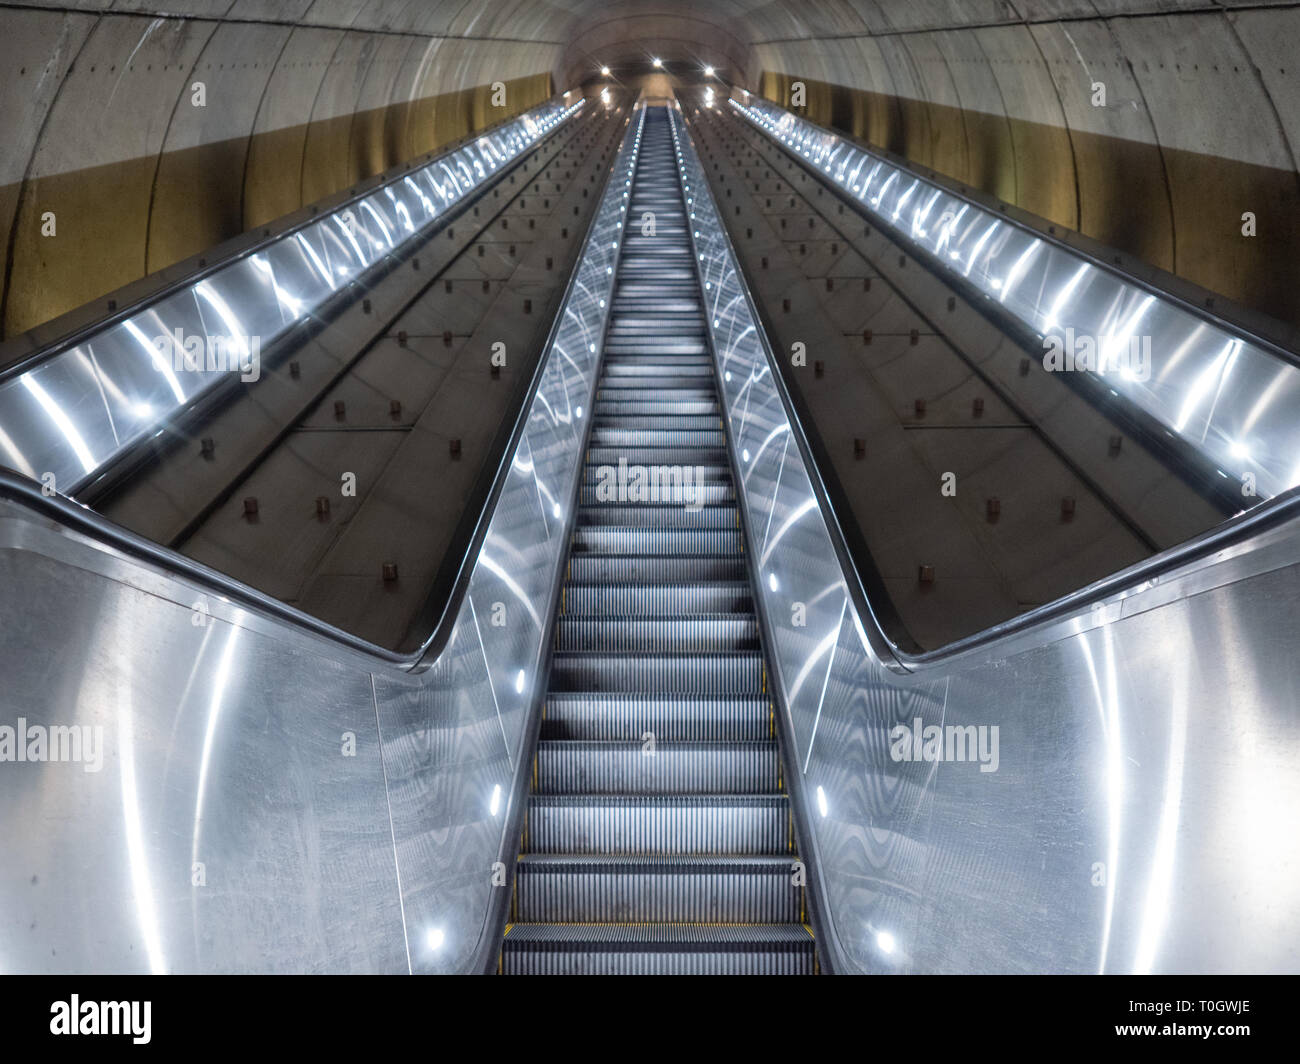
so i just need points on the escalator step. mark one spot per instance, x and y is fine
(575, 767)
(598, 889)
(673, 600)
(658, 541)
(650, 824)
(609, 436)
(623, 569)
(692, 673)
(658, 949)
(705, 632)
(627, 717)
(712, 457)
(702, 514)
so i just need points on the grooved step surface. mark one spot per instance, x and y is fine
(658, 839)
(648, 824)
(669, 718)
(658, 949)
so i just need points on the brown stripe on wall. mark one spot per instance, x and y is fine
(1178, 210)
(117, 223)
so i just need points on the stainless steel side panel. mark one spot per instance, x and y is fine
(1142, 813)
(246, 795)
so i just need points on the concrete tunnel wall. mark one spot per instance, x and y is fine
(302, 99)
(1201, 121)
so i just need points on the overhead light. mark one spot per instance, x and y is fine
(434, 938)
(657, 61)
(604, 72)
(708, 71)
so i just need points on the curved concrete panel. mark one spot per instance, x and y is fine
(198, 186)
(273, 177)
(156, 135)
(1199, 125)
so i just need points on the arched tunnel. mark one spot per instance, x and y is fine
(734, 487)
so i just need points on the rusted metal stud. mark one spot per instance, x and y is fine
(389, 572)
(919, 406)
(914, 337)
(250, 506)
(453, 446)
(1067, 507)
(1024, 367)
(395, 407)
(1116, 442)
(446, 337)
(528, 306)
(977, 407)
(401, 337)
(925, 574)
(365, 306)
(867, 336)
(322, 506)
(819, 368)
(859, 447)
(992, 508)
(295, 370)
(207, 446)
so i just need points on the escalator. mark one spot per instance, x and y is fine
(659, 836)
(660, 688)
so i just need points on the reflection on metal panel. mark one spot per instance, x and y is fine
(73, 412)
(1231, 400)
(265, 800)
(1107, 790)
